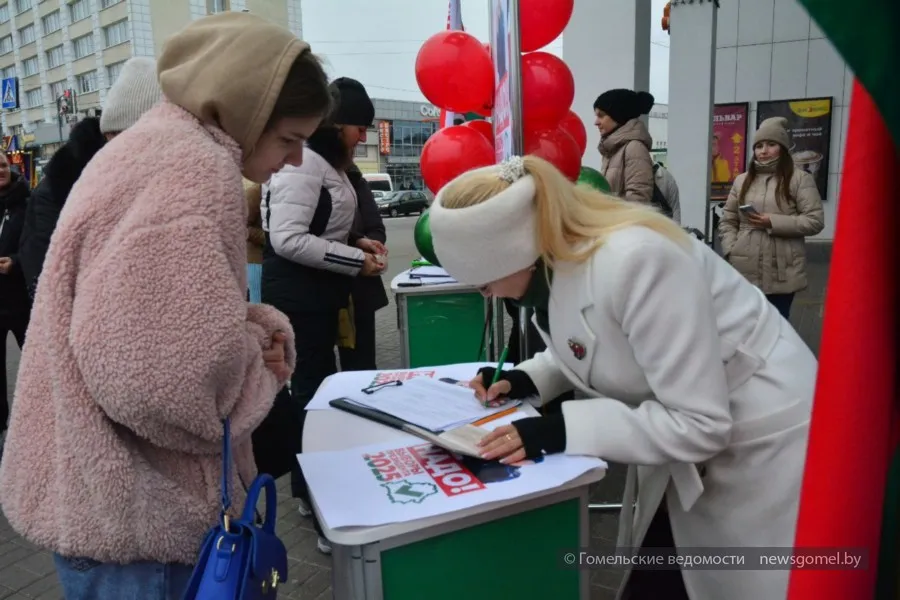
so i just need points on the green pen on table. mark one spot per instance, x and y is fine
(500, 364)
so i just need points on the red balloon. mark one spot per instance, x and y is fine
(452, 151)
(548, 90)
(574, 126)
(556, 147)
(483, 127)
(542, 21)
(455, 72)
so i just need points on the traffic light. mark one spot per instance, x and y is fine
(665, 20)
(64, 103)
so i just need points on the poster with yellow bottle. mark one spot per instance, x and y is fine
(809, 129)
(729, 147)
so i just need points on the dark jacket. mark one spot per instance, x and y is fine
(293, 287)
(13, 202)
(49, 197)
(368, 292)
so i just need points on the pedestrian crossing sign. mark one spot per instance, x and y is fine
(10, 93)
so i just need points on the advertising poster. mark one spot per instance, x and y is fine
(500, 48)
(809, 127)
(729, 147)
(397, 482)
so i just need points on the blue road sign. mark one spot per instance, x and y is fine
(10, 93)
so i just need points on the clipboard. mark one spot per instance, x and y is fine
(461, 440)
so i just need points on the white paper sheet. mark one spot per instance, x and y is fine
(429, 403)
(397, 482)
(351, 383)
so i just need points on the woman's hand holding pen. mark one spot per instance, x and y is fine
(495, 395)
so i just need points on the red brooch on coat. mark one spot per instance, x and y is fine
(577, 348)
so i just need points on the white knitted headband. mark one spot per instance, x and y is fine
(488, 241)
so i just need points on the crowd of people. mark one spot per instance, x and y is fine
(161, 283)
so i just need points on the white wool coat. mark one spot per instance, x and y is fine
(695, 381)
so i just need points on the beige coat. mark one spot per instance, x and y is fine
(691, 374)
(627, 164)
(773, 259)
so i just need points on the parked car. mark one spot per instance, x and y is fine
(404, 202)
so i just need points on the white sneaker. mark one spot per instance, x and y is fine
(323, 545)
(304, 509)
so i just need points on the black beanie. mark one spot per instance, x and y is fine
(352, 103)
(624, 105)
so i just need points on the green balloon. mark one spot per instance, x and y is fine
(593, 178)
(424, 243)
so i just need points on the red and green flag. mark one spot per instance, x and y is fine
(851, 488)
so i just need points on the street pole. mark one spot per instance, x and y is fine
(59, 118)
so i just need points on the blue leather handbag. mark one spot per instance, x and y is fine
(239, 560)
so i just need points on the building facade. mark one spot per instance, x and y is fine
(394, 145)
(50, 46)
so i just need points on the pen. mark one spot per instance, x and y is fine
(496, 416)
(500, 364)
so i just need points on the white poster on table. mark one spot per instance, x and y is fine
(350, 384)
(397, 482)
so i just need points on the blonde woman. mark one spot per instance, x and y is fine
(692, 377)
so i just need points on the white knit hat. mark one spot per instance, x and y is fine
(134, 93)
(491, 240)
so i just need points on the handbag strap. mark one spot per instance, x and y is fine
(226, 468)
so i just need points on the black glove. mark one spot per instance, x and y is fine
(542, 435)
(520, 384)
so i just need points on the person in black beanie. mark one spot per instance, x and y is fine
(625, 143)
(312, 257)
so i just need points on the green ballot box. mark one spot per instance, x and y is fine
(440, 322)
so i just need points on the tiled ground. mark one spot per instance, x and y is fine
(27, 572)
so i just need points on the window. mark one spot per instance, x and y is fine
(78, 10)
(6, 45)
(26, 35)
(116, 33)
(33, 98)
(55, 57)
(112, 72)
(4, 13)
(22, 5)
(217, 6)
(87, 82)
(360, 151)
(408, 137)
(108, 3)
(9, 72)
(51, 22)
(57, 88)
(83, 46)
(30, 66)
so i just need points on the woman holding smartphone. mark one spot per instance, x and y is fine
(770, 210)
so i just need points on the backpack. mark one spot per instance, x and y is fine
(659, 199)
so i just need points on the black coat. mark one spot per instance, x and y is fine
(49, 197)
(368, 292)
(13, 203)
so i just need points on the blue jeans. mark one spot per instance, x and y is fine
(86, 579)
(254, 282)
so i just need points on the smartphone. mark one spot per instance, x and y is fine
(748, 209)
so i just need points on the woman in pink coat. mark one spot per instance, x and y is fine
(141, 340)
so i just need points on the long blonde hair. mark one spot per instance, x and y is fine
(572, 220)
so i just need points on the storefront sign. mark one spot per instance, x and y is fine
(729, 147)
(430, 112)
(384, 137)
(809, 127)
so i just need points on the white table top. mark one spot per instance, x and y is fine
(330, 430)
(404, 284)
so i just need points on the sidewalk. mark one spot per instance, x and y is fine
(26, 572)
